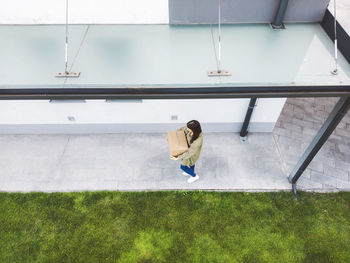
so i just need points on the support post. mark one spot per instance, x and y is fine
(244, 130)
(278, 21)
(337, 114)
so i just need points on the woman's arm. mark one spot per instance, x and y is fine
(194, 148)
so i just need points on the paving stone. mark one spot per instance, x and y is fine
(342, 165)
(337, 141)
(292, 127)
(307, 184)
(344, 148)
(289, 140)
(336, 137)
(327, 161)
(307, 173)
(346, 118)
(303, 137)
(329, 146)
(291, 160)
(342, 125)
(320, 107)
(288, 107)
(321, 178)
(327, 101)
(309, 131)
(301, 101)
(342, 132)
(316, 165)
(289, 169)
(282, 131)
(286, 118)
(283, 147)
(297, 149)
(317, 125)
(292, 115)
(314, 118)
(304, 145)
(334, 172)
(303, 123)
(329, 108)
(311, 110)
(301, 109)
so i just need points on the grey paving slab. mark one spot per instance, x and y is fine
(135, 162)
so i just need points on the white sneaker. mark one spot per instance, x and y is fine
(184, 173)
(192, 179)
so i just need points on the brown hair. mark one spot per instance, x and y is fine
(196, 128)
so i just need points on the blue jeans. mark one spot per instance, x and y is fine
(188, 169)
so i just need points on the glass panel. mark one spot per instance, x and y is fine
(168, 56)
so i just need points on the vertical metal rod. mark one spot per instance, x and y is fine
(219, 63)
(278, 21)
(66, 46)
(244, 130)
(335, 71)
(337, 114)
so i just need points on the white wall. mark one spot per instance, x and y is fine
(218, 112)
(84, 11)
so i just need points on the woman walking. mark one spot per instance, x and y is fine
(193, 132)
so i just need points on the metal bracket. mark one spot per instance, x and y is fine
(334, 72)
(243, 139)
(274, 27)
(219, 73)
(68, 75)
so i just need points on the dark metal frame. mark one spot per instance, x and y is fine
(145, 92)
(244, 130)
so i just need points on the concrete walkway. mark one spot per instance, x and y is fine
(135, 162)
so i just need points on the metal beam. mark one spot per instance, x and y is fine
(172, 92)
(337, 114)
(277, 23)
(244, 130)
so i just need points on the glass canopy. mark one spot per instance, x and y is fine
(168, 56)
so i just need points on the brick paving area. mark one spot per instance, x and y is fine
(297, 125)
(343, 9)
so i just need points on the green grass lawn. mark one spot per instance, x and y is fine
(174, 227)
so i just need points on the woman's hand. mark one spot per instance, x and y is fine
(173, 158)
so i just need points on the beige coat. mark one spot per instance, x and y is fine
(190, 157)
